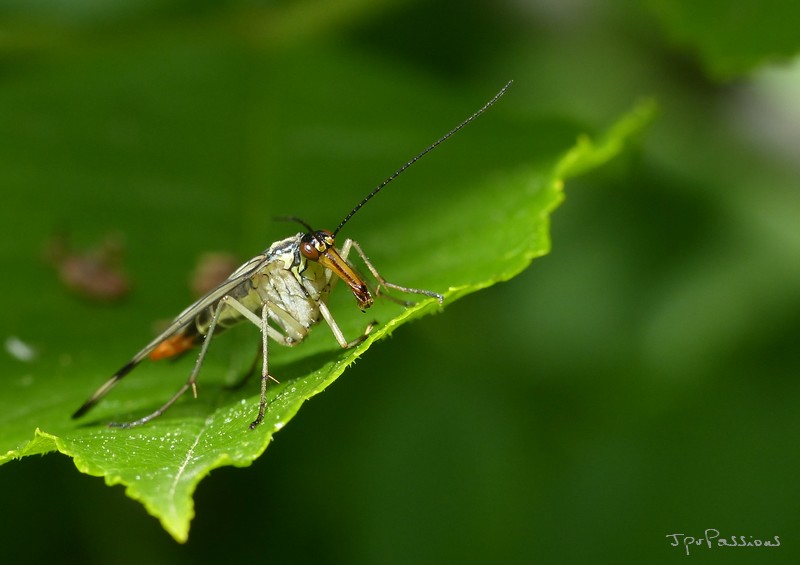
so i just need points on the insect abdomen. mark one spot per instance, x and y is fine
(174, 346)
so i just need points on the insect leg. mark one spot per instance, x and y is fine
(383, 282)
(337, 333)
(266, 332)
(259, 322)
(265, 376)
(280, 316)
(285, 319)
(326, 314)
(189, 383)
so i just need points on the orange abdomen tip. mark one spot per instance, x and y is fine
(172, 347)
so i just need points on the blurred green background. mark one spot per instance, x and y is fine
(637, 382)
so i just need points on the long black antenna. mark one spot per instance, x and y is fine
(397, 173)
(300, 221)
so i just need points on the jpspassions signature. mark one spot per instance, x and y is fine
(711, 539)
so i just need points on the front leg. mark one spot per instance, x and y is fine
(337, 332)
(383, 282)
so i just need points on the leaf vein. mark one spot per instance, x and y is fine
(182, 469)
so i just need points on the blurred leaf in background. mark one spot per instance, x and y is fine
(731, 38)
(640, 381)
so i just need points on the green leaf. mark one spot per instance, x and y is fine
(733, 37)
(476, 213)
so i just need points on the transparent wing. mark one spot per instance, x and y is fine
(185, 318)
(239, 276)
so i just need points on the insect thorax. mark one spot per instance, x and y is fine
(288, 284)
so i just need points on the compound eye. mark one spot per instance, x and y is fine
(309, 251)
